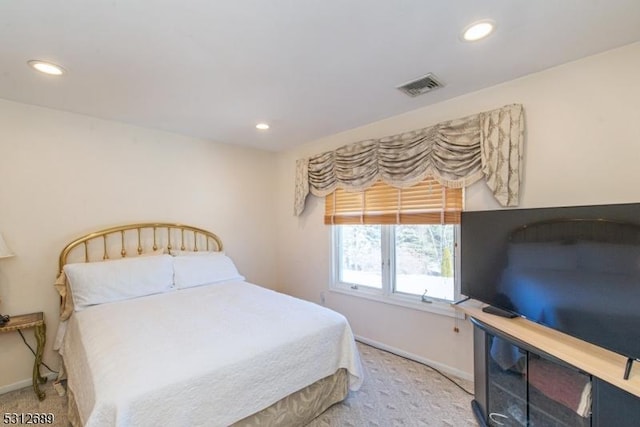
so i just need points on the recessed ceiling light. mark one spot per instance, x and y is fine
(46, 67)
(262, 126)
(478, 30)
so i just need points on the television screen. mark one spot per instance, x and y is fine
(574, 269)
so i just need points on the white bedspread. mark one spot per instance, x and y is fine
(206, 356)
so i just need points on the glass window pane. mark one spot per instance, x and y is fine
(360, 255)
(424, 256)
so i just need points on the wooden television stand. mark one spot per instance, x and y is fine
(528, 374)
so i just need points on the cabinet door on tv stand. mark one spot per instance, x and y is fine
(506, 383)
(613, 406)
(479, 404)
(557, 393)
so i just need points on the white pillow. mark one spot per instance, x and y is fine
(107, 281)
(176, 252)
(192, 271)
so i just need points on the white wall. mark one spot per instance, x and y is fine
(582, 147)
(63, 175)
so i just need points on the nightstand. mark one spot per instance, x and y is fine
(36, 321)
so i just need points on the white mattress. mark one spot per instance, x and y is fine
(210, 355)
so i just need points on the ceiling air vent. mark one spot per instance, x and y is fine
(422, 85)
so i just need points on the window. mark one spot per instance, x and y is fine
(396, 244)
(424, 260)
(409, 260)
(359, 252)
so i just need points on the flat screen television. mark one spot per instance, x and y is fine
(574, 269)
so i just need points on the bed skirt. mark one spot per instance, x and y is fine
(297, 409)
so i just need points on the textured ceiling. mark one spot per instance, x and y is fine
(213, 69)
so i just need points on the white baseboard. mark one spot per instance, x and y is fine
(439, 366)
(25, 383)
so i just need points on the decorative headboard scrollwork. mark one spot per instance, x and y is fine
(141, 237)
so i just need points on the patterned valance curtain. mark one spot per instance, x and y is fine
(456, 153)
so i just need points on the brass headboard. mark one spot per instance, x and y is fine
(572, 230)
(141, 237)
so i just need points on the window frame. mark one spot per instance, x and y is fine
(387, 294)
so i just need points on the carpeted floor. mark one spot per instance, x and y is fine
(25, 401)
(396, 392)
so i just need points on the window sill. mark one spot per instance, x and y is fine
(436, 307)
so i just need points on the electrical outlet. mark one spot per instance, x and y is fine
(322, 299)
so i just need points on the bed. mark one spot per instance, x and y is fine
(163, 330)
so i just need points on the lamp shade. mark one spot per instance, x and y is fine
(5, 252)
